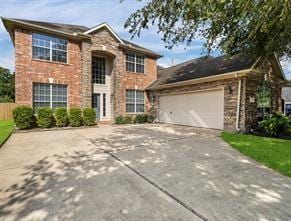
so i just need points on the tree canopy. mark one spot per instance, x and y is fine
(6, 85)
(259, 27)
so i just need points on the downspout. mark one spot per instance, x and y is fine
(238, 105)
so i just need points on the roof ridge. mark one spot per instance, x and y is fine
(57, 23)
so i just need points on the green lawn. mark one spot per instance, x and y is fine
(272, 152)
(6, 127)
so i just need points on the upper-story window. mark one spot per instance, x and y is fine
(98, 70)
(49, 48)
(134, 62)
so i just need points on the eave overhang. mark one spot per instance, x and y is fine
(12, 24)
(235, 74)
(139, 50)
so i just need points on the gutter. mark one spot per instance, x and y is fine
(11, 23)
(229, 75)
(238, 105)
(130, 47)
(280, 67)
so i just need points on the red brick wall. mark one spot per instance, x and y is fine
(138, 81)
(28, 70)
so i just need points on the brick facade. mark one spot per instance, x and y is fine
(104, 44)
(249, 83)
(263, 72)
(77, 74)
(86, 74)
(137, 81)
(29, 71)
(230, 99)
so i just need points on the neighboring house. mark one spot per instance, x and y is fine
(286, 96)
(223, 93)
(61, 65)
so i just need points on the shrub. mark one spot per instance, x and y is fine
(141, 118)
(61, 117)
(23, 117)
(127, 119)
(89, 116)
(119, 119)
(151, 118)
(75, 117)
(123, 119)
(44, 117)
(276, 126)
(6, 99)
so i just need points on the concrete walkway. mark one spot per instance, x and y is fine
(146, 172)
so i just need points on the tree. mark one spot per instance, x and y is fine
(259, 27)
(7, 93)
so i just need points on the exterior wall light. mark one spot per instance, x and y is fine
(153, 98)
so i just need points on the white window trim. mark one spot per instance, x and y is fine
(51, 95)
(106, 26)
(51, 50)
(135, 103)
(135, 62)
(285, 105)
(99, 56)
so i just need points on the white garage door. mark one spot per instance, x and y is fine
(199, 109)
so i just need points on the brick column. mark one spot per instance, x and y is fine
(86, 74)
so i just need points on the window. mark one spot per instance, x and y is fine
(49, 48)
(98, 70)
(104, 105)
(263, 98)
(134, 63)
(288, 109)
(134, 101)
(49, 95)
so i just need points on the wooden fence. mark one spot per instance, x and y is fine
(6, 110)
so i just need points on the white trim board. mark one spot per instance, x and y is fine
(106, 26)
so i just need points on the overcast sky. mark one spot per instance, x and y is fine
(91, 13)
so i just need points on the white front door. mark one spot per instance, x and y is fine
(199, 109)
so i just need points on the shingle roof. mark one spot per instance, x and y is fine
(57, 26)
(202, 67)
(71, 29)
(139, 47)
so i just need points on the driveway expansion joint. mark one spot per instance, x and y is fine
(189, 208)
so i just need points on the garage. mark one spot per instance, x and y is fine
(199, 109)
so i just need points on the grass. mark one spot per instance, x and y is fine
(6, 128)
(272, 152)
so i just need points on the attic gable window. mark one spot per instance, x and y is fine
(134, 62)
(49, 48)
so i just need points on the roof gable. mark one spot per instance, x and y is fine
(104, 25)
(77, 32)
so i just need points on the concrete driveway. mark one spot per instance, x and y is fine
(145, 172)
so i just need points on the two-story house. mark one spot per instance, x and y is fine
(62, 65)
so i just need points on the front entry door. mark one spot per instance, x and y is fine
(96, 105)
